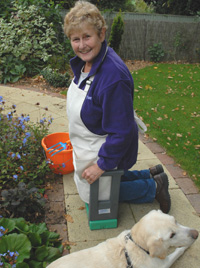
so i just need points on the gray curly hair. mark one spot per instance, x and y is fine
(83, 12)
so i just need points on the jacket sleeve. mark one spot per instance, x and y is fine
(118, 122)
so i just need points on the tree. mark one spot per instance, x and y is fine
(176, 7)
(117, 31)
(115, 5)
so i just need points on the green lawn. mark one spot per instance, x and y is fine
(167, 97)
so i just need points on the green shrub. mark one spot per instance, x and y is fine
(198, 53)
(48, 8)
(142, 7)
(117, 31)
(54, 78)
(114, 5)
(6, 9)
(27, 245)
(156, 52)
(27, 44)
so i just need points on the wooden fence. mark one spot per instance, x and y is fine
(178, 35)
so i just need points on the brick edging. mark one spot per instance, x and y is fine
(181, 177)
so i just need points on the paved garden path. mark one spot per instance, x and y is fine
(184, 195)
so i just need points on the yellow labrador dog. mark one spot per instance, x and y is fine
(144, 246)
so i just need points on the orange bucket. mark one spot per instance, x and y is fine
(62, 162)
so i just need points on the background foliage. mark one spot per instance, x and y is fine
(176, 7)
(31, 38)
(28, 41)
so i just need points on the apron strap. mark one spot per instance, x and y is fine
(88, 83)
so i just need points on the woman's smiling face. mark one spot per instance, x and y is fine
(86, 43)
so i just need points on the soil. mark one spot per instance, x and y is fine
(55, 211)
(55, 214)
(39, 84)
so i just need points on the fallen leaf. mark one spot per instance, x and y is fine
(68, 243)
(197, 146)
(179, 135)
(159, 118)
(154, 109)
(38, 78)
(81, 208)
(148, 87)
(69, 218)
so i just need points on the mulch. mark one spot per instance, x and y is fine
(40, 85)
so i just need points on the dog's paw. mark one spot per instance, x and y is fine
(180, 250)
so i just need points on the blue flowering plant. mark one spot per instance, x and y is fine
(8, 259)
(22, 157)
(24, 169)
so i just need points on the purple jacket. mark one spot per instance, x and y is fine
(108, 109)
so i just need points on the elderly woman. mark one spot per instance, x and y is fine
(102, 128)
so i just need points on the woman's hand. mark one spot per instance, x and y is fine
(92, 173)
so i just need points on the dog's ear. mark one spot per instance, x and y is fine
(157, 249)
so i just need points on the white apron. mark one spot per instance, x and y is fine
(85, 144)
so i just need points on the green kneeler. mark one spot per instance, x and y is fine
(103, 214)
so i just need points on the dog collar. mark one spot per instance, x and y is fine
(128, 236)
(128, 260)
(129, 264)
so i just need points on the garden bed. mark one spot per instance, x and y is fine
(54, 208)
(39, 84)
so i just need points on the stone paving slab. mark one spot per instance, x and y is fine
(79, 230)
(144, 153)
(195, 201)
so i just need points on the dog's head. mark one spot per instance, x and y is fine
(157, 232)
